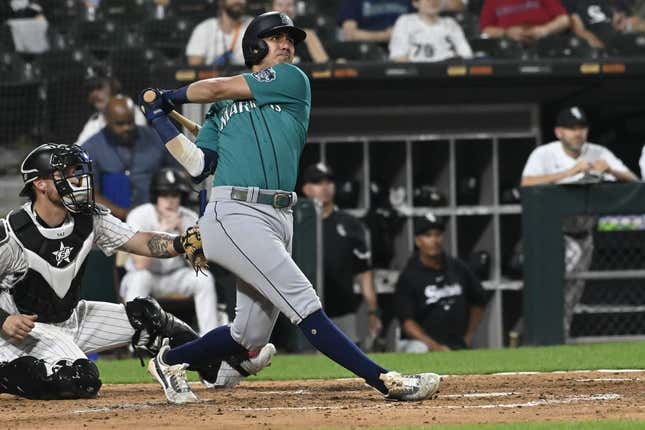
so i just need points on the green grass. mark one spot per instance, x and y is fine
(544, 359)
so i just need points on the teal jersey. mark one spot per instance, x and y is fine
(259, 141)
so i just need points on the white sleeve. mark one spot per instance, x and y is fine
(533, 166)
(197, 44)
(111, 233)
(457, 34)
(641, 163)
(399, 40)
(614, 162)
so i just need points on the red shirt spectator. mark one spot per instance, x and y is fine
(522, 20)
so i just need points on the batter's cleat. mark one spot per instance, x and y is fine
(171, 377)
(410, 387)
(228, 377)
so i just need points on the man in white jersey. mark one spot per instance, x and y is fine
(426, 37)
(150, 276)
(571, 157)
(567, 160)
(46, 330)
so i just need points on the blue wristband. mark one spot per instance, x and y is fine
(165, 129)
(178, 96)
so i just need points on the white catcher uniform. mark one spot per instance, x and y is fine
(420, 41)
(40, 273)
(171, 275)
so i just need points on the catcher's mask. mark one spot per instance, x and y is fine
(254, 48)
(61, 163)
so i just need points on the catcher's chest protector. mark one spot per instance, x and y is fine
(51, 286)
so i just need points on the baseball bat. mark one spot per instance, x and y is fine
(149, 97)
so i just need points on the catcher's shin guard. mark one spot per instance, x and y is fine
(152, 324)
(27, 377)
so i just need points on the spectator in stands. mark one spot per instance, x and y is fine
(346, 256)
(572, 158)
(592, 21)
(218, 41)
(439, 300)
(171, 276)
(28, 25)
(310, 51)
(370, 20)
(631, 19)
(523, 20)
(100, 87)
(125, 157)
(426, 37)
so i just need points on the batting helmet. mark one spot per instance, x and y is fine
(254, 48)
(169, 180)
(51, 158)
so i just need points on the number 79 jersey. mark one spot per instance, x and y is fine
(420, 41)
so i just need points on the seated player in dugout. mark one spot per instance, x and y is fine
(47, 330)
(254, 134)
(172, 276)
(439, 300)
(572, 158)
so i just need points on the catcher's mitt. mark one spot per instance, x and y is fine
(191, 241)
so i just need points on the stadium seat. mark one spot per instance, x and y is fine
(324, 25)
(169, 36)
(496, 48)
(355, 51)
(63, 64)
(125, 11)
(627, 45)
(564, 46)
(196, 10)
(63, 14)
(132, 67)
(102, 36)
(13, 69)
(6, 40)
(469, 23)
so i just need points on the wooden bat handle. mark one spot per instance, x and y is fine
(149, 96)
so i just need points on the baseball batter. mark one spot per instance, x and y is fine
(46, 329)
(254, 133)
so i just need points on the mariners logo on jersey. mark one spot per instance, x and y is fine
(63, 254)
(265, 75)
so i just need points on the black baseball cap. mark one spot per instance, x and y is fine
(316, 173)
(427, 222)
(572, 117)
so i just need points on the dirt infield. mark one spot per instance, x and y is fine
(345, 403)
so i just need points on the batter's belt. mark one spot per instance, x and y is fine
(275, 198)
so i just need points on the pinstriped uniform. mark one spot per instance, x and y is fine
(92, 327)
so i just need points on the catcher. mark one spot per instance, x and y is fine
(46, 330)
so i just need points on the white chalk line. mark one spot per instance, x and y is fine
(533, 403)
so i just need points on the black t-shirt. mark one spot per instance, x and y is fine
(439, 301)
(346, 253)
(596, 15)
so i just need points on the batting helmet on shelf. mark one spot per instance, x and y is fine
(61, 163)
(169, 180)
(254, 48)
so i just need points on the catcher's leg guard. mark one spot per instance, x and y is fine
(145, 313)
(27, 377)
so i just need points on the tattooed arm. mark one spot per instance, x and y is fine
(151, 244)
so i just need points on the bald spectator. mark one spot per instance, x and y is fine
(125, 157)
(523, 20)
(218, 41)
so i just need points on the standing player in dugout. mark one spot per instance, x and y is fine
(254, 134)
(46, 329)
